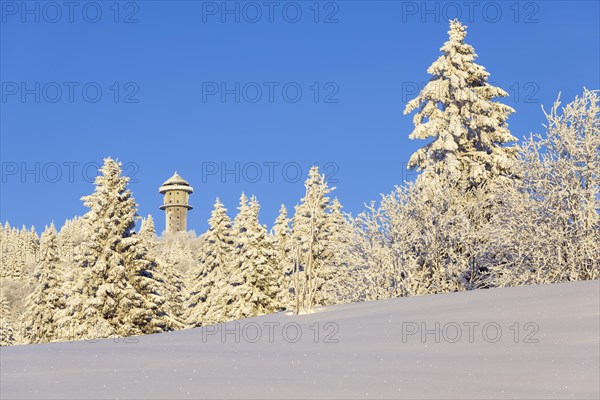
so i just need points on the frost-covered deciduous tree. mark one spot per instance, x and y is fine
(372, 255)
(456, 110)
(548, 227)
(48, 296)
(386, 247)
(447, 238)
(208, 285)
(425, 239)
(310, 250)
(116, 292)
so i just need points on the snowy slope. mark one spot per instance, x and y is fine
(371, 358)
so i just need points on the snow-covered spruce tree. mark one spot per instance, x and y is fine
(147, 230)
(221, 302)
(8, 333)
(16, 260)
(548, 226)
(116, 293)
(456, 110)
(14, 255)
(29, 251)
(338, 272)
(70, 238)
(177, 250)
(3, 239)
(466, 159)
(166, 272)
(19, 252)
(310, 250)
(169, 276)
(281, 236)
(177, 259)
(48, 296)
(252, 277)
(9, 252)
(208, 284)
(8, 247)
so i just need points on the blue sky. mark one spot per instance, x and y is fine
(183, 85)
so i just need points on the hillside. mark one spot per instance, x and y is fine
(364, 350)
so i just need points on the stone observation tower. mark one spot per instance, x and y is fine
(176, 191)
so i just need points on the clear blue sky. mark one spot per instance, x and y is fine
(158, 65)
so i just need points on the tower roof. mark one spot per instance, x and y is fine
(176, 179)
(176, 182)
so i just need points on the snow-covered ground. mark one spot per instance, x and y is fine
(548, 348)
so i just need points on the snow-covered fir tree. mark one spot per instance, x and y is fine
(456, 110)
(8, 332)
(116, 293)
(176, 250)
(19, 252)
(281, 239)
(70, 238)
(168, 272)
(6, 246)
(253, 279)
(338, 271)
(147, 229)
(48, 296)
(209, 289)
(178, 259)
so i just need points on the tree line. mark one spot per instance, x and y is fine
(483, 213)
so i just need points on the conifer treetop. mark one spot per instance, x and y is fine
(455, 108)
